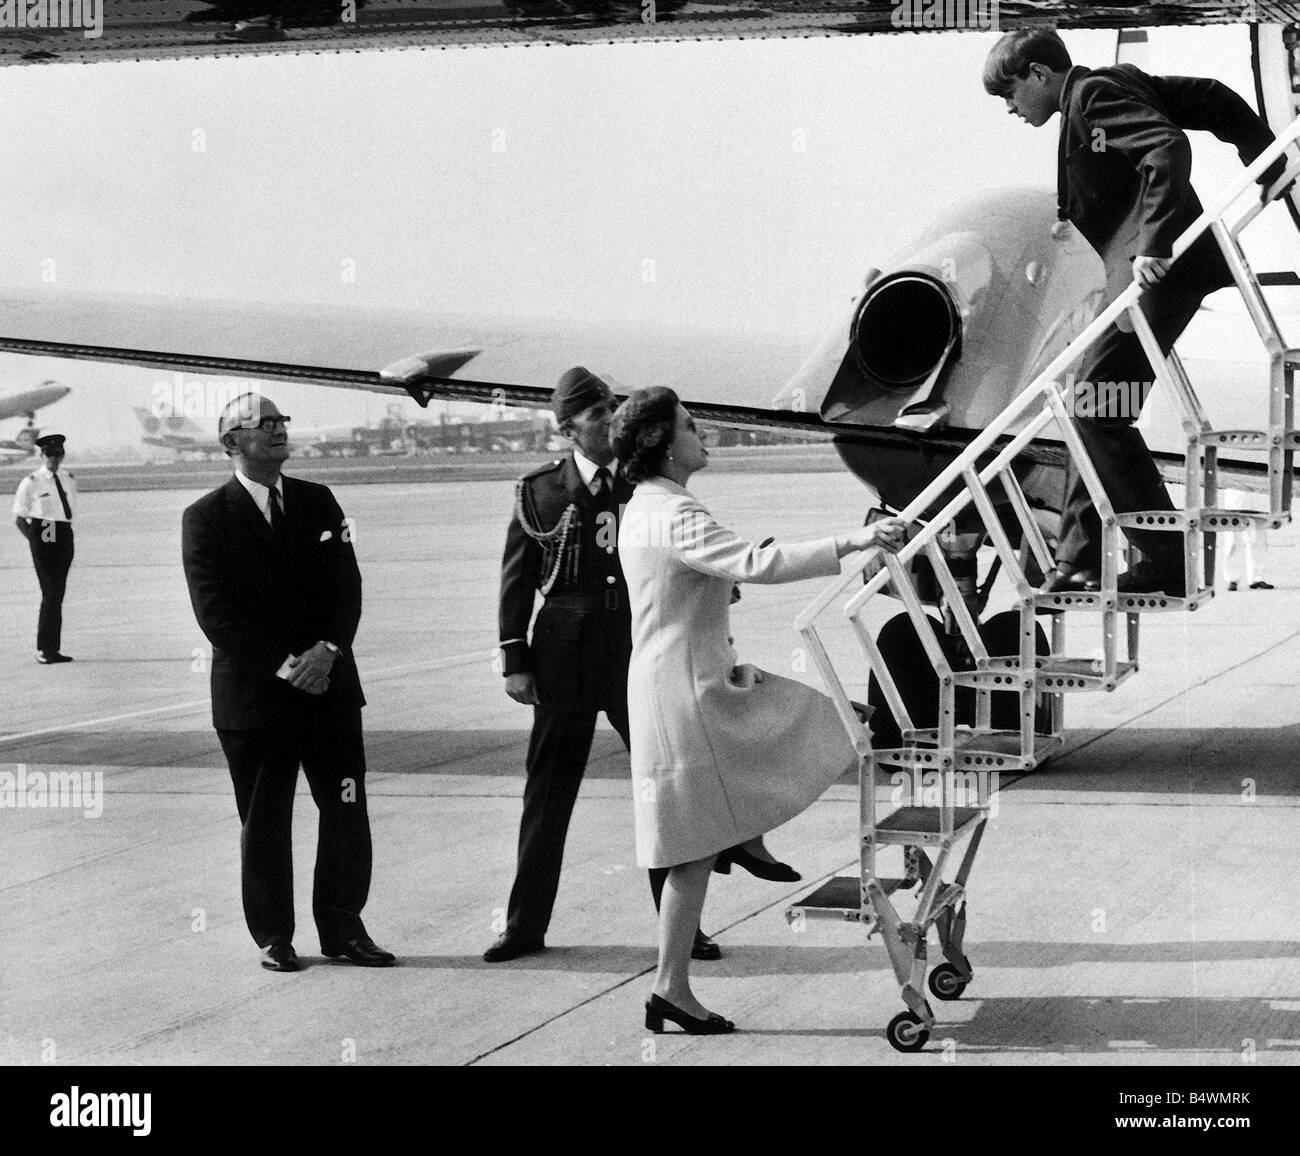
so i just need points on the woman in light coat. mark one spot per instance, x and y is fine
(721, 753)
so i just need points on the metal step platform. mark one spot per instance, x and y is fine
(923, 825)
(1051, 674)
(842, 898)
(1249, 439)
(974, 750)
(1204, 518)
(1124, 603)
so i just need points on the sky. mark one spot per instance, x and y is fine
(715, 183)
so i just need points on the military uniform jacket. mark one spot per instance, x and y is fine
(562, 544)
(1125, 164)
(259, 598)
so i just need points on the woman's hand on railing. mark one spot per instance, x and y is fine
(889, 534)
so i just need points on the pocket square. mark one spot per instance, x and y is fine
(326, 535)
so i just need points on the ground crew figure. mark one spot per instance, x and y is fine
(43, 509)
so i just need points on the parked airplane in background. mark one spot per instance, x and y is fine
(499, 430)
(172, 431)
(24, 404)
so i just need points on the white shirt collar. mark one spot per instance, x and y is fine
(261, 494)
(587, 468)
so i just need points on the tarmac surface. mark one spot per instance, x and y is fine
(1134, 902)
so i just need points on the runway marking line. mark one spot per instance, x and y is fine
(195, 704)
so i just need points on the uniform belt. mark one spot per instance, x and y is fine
(606, 600)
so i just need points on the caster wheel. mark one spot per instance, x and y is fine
(945, 982)
(905, 1033)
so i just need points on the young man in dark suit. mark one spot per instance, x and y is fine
(1124, 181)
(274, 582)
(562, 541)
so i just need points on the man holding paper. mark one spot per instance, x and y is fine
(274, 582)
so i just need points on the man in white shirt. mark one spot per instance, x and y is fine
(43, 509)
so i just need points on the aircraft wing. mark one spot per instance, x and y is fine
(726, 378)
(509, 361)
(168, 29)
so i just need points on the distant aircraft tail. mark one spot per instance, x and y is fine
(163, 419)
(148, 422)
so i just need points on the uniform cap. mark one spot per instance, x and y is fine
(577, 389)
(51, 442)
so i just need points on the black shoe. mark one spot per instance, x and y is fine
(1232, 586)
(1071, 580)
(512, 946)
(775, 872)
(280, 957)
(1262, 585)
(1148, 578)
(361, 950)
(48, 659)
(657, 1010)
(704, 948)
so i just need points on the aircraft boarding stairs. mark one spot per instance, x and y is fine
(947, 759)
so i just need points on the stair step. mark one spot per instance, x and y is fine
(1206, 518)
(1248, 439)
(973, 750)
(840, 898)
(1124, 603)
(1051, 673)
(911, 825)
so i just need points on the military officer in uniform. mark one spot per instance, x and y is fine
(562, 542)
(43, 509)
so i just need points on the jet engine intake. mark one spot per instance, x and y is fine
(906, 333)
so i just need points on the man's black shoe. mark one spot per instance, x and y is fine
(1068, 580)
(511, 946)
(1148, 578)
(362, 951)
(280, 957)
(52, 657)
(1261, 585)
(704, 947)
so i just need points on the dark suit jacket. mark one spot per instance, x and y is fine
(1125, 161)
(582, 640)
(259, 600)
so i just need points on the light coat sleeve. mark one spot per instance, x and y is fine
(700, 542)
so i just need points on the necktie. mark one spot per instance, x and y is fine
(277, 512)
(603, 487)
(63, 497)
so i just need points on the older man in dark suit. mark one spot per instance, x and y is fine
(274, 582)
(1124, 180)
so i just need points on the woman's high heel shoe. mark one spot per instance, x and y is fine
(776, 872)
(658, 1009)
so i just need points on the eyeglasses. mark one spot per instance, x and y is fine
(267, 423)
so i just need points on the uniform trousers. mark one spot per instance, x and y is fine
(264, 768)
(557, 760)
(1128, 472)
(52, 549)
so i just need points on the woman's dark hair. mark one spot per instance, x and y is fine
(1011, 57)
(641, 432)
